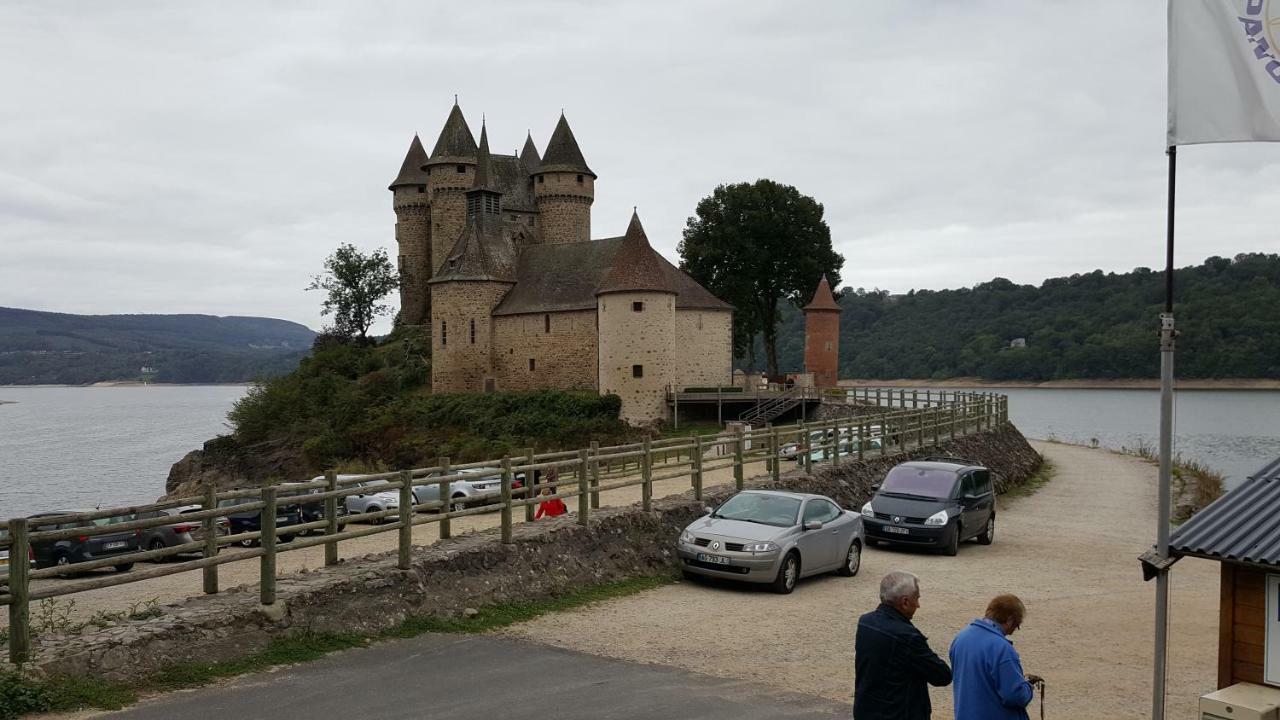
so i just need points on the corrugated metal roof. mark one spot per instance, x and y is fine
(1243, 525)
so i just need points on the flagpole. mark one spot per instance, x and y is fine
(1167, 336)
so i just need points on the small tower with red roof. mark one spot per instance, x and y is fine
(822, 336)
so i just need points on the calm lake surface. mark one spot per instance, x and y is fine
(68, 448)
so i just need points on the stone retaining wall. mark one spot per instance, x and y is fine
(369, 594)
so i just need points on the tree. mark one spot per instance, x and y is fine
(754, 245)
(356, 284)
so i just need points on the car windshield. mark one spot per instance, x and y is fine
(112, 520)
(758, 508)
(931, 483)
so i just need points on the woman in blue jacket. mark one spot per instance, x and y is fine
(988, 679)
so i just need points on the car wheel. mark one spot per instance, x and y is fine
(458, 504)
(852, 560)
(374, 509)
(788, 574)
(247, 543)
(952, 544)
(989, 533)
(126, 567)
(281, 539)
(63, 563)
(157, 544)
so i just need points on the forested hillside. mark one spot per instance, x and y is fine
(42, 347)
(1095, 325)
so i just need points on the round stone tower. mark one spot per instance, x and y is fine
(450, 173)
(413, 235)
(822, 337)
(564, 188)
(636, 309)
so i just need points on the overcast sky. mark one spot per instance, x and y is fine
(162, 157)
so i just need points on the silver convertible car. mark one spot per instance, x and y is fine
(768, 536)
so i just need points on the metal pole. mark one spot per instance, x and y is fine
(1167, 336)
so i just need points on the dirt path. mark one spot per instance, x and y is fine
(1069, 551)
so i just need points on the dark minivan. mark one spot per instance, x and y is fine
(937, 502)
(82, 548)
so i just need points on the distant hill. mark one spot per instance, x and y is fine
(57, 348)
(1089, 326)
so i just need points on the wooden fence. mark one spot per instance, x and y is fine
(583, 474)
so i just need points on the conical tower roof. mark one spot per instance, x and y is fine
(823, 298)
(411, 172)
(563, 154)
(636, 267)
(529, 155)
(455, 141)
(484, 165)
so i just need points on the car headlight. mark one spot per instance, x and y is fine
(867, 511)
(759, 547)
(686, 537)
(938, 518)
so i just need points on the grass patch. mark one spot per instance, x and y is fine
(22, 696)
(1195, 484)
(699, 427)
(1035, 482)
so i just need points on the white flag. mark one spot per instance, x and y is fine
(1224, 71)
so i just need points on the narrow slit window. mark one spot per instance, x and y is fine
(532, 365)
(541, 179)
(444, 333)
(579, 178)
(637, 371)
(473, 332)
(637, 306)
(546, 325)
(462, 168)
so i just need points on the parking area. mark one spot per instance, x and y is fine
(1069, 551)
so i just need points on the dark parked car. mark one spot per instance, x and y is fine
(312, 510)
(938, 502)
(83, 548)
(180, 532)
(251, 520)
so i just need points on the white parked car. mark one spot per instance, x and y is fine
(373, 499)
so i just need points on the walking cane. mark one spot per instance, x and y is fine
(1039, 685)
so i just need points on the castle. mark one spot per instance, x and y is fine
(495, 252)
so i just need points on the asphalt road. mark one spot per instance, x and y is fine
(457, 677)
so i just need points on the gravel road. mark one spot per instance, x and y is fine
(1069, 551)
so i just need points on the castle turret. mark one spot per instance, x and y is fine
(476, 273)
(564, 188)
(450, 173)
(412, 204)
(822, 336)
(635, 305)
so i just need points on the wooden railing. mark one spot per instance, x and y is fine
(583, 474)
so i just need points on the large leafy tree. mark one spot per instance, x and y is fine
(356, 283)
(755, 245)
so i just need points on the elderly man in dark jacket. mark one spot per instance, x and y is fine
(892, 660)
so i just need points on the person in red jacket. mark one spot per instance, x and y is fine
(551, 508)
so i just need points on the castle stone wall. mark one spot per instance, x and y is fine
(563, 358)
(702, 354)
(461, 361)
(447, 188)
(564, 206)
(822, 347)
(413, 242)
(645, 338)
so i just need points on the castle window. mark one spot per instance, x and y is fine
(542, 179)
(462, 168)
(546, 324)
(637, 306)
(422, 188)
(532, 365)
(828, 346)
(473, 332)
(444, 333)
(579, 178)
(637, 371)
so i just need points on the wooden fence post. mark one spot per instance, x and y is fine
(584, 499)
(528, 485)
(835, 459)
(646, 476)
(445, 530)
(697, 467)
(775, 450)
(19, 592)
(331, 518)
(209, 526)
(953, 419)
(770, 448)
(738, 469)
(595, 474)
(919, 418)
(506, 499)
(267, 568)
(406, 519)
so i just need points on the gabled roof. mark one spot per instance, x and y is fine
(1242, 526)
(455, 141)
(482, 254)
(529, 155)
(563, 154)
(823, 298)
(411, 172)
(636, 267)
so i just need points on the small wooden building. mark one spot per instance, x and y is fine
(1242, 531)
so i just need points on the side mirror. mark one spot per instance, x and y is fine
(813, 525)
(707, 511)
(875, 487)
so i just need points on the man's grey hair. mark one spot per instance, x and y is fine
(897, 585)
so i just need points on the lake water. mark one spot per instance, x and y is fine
(80, 447)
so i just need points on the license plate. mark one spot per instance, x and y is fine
(897, 530)
(115, 545)
(713, 559)
(282, 520)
